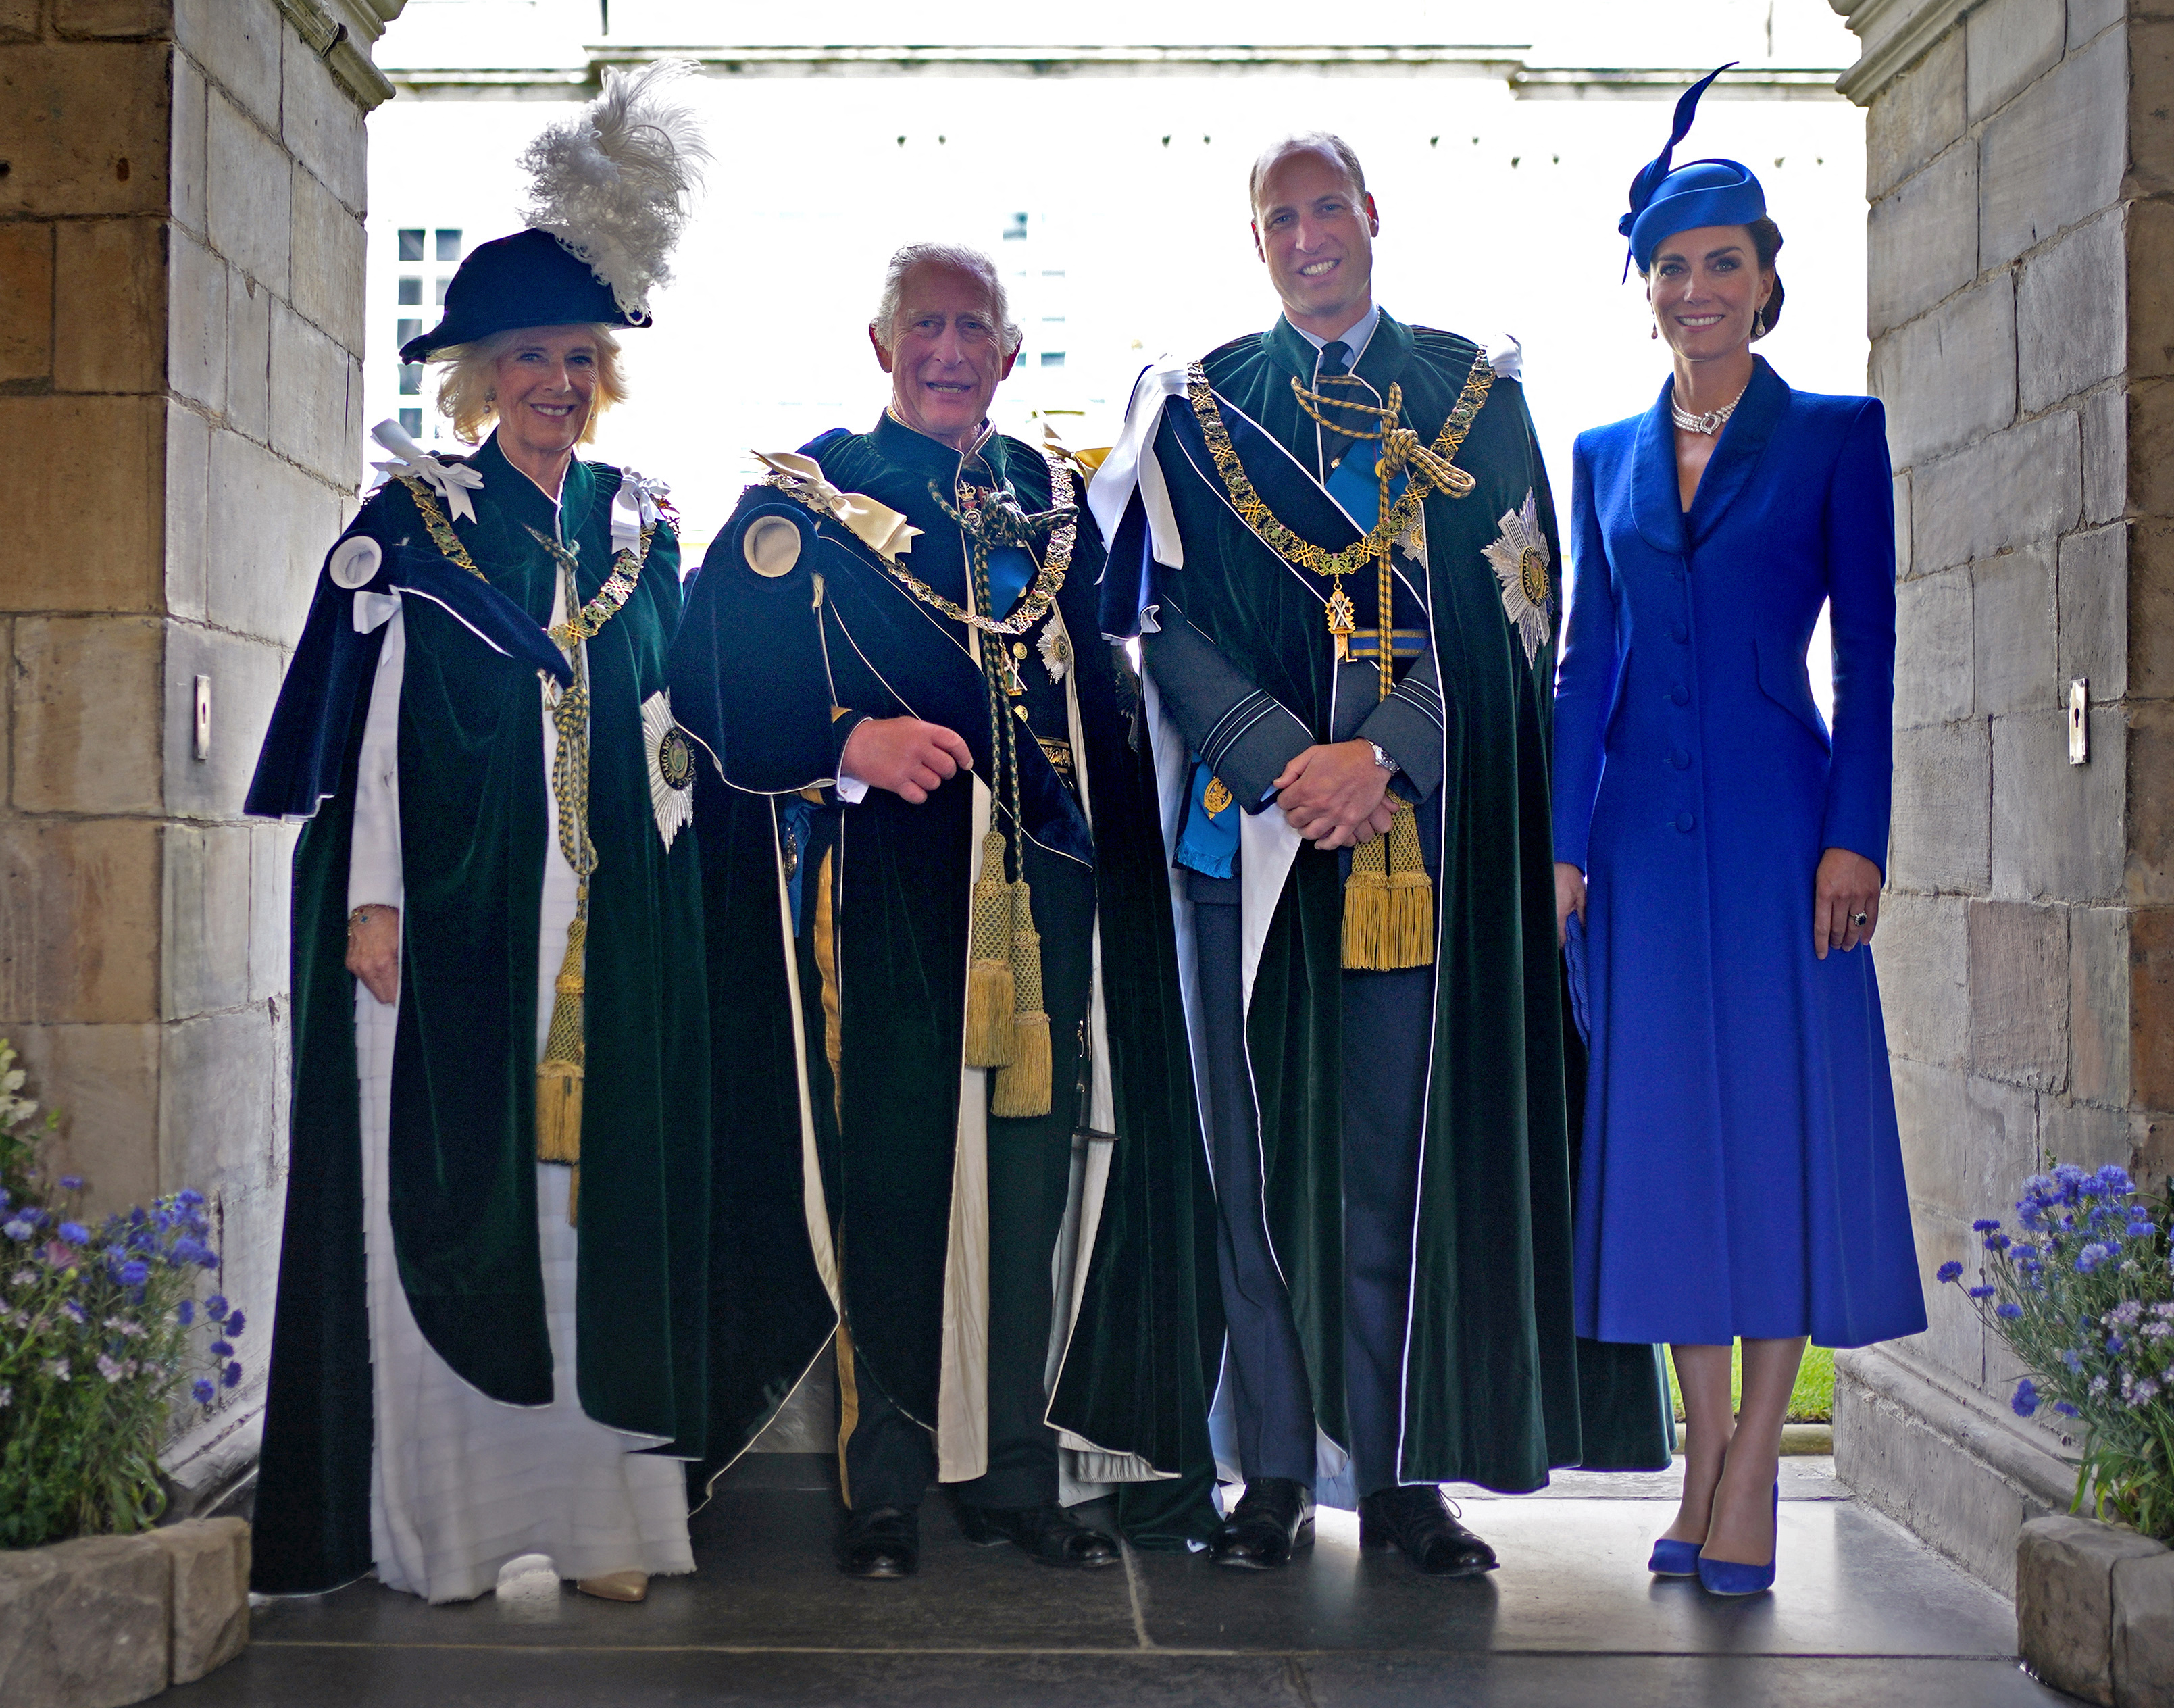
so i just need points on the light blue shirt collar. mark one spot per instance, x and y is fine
(1356, 335)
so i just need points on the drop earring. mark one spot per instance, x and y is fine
(1758, 323)
(1654, 330)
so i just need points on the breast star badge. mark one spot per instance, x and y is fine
(1521, 564)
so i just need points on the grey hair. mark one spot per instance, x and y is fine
(960, 259)
(1306, 142)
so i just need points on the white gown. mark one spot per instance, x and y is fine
(461, 1483)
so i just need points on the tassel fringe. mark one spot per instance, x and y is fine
(990, 989)
(1022, 1089)
(1388, 901)
(560, 1075)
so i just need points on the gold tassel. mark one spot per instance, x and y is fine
(1022, 1089)
(990, 991)
(1388, 901)
(559, 1074)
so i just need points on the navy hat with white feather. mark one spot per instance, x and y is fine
(609, 197)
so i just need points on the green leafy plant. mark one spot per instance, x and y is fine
(2083, 1295)
(99, 1332)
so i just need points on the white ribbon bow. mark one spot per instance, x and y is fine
(638, 493)
(879, 528)
(450, 481)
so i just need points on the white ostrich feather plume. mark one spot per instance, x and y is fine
(614, 182)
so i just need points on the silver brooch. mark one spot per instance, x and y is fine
(1522, 566)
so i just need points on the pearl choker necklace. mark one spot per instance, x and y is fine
(1710, 422)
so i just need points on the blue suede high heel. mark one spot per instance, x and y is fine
(1674, 1558)
(1734, 1577)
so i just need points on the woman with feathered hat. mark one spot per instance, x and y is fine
(1719, 853)
(489, 1338)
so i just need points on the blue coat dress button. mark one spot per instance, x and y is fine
(1680, 694)
(1683, 823)
(1679, 632)
(1680, 760)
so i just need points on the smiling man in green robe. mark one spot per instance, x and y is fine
(937, 818)
(1335, 543)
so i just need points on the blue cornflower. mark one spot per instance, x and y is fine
(2075, 1360)
(137, 1217)
(75, 1310)
(2140, 1230)
(185, 1313)
(2112, 1179)
(2116, 1345)
(18, 1228)
(1996, 1242)
(234, 1323)
(2026, 1397)
(2030, 1219)
(75, 1233)
(2007, 1311)
(134, 1272)
(2065, 1409)
(215, 1307)
(188, 1199)
(220, 1349)
(7, 1197)
(1949, 1270)
(1979, 1292)
(1983, 1225)
(183, 1252)
(71, 1183)
(203, 1391)
(2092, 1255)
(232, 1378)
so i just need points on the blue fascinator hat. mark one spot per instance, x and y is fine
(1664, 200)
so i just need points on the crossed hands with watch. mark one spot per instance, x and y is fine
(1335, 794)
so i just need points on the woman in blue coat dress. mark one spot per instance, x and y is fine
(1722, 852)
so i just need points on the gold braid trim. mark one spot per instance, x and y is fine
(1032, 607)
(1253, 511)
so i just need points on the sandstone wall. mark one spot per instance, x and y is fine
(2017, 159)
(181, 188)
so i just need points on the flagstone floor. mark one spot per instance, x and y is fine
(1863, 1615)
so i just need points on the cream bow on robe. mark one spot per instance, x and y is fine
(879, 528)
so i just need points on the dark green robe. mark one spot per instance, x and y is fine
(462, 1147)
(762, 665)
(1493, 1371)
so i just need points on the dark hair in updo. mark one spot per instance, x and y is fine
(1766, 245)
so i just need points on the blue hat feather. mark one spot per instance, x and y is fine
(1666, 199)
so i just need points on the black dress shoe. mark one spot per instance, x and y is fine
(882, 1542)
(1419, 1520)
(1049, 1533)
(1272, 1517)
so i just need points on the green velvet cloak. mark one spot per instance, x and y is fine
(461, 1158)
(1494, 1371)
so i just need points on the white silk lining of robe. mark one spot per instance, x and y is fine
(461, 1484)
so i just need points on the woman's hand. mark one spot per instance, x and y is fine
(373, 951)
(1845, 902)
(1570, 898)
(903, 754)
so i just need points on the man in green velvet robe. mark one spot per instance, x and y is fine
(1336, 544)
(935, 814)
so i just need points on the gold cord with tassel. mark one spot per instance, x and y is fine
(1388, 900)
(1023, 1084)
(990, 994)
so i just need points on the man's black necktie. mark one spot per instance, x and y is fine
(1335, 361)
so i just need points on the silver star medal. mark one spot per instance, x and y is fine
(1056, 649)
(1521, 564)
(671, 767)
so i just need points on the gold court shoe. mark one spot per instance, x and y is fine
(616, 1585)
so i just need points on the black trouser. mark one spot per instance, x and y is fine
(1388, 1032)
(888, 1459)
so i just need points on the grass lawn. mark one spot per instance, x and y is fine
(1812, 1400)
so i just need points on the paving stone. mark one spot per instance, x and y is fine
(328, 261)
(82, 477)
(249, 356)
(2094, 613)
(2098, 1005)
(1922, 240)
(204, 934)
(2018, 486)
(2059, 831)
(210, 1616)
(86, 714)
(1942, 816)
(1923, 963)
(196, 322)
(2143, 1636)
(26, 301)
(269, 528)
(237, 42)
(83, 1624)
(1917, 115)
(248, 178)
(78, 111)
(2049, 159)
(2087, 18)
(309, 394)
(323, 124)
(2019, 988)
(110, 333)
(220, 1103)
(83, 902)
(2010, 42)
(190, 166)
(1949, 377)
(2014, 642)
(2105, 417)
(2064, 1600)
(2059, 351)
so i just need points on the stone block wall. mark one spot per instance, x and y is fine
(182, 187)
(2022, 326)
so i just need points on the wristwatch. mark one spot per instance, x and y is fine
(1381, 758)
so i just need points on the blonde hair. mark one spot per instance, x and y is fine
(468, 391)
